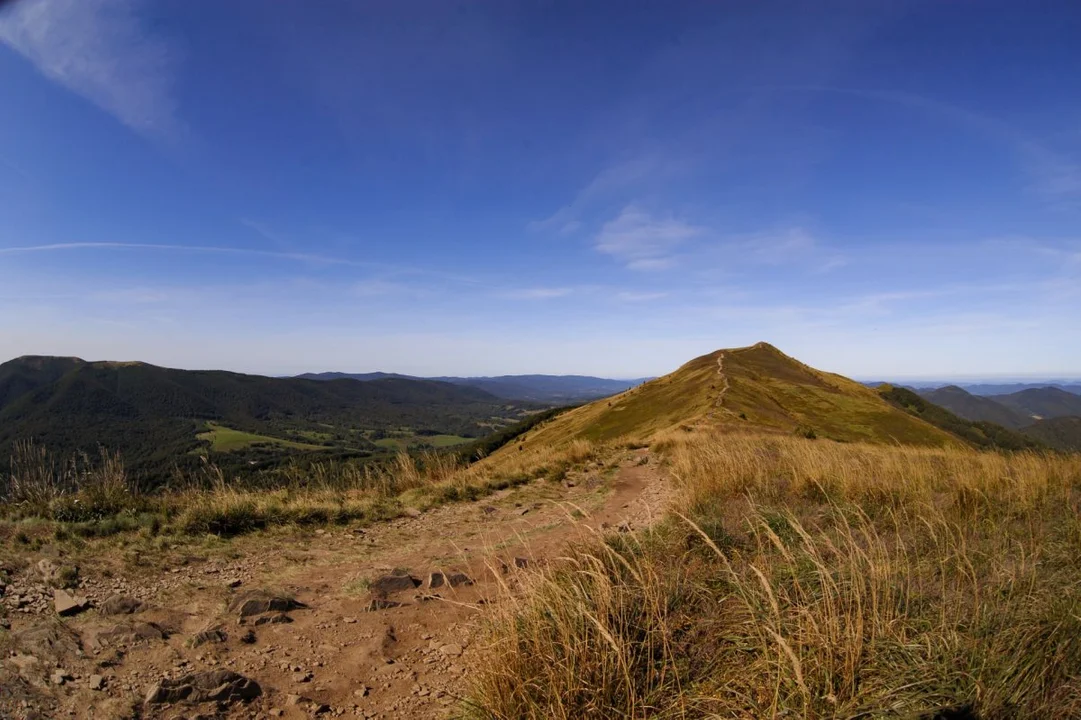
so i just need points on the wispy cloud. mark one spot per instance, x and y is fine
(787, 246)
(101, 50)
(540, 293)
(775, 248)
(60, 247)
(377, 288)
(630, 296)
(264, 230)
(642, 241)
(137, 295)
(614, 180)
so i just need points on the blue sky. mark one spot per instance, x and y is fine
(880, 189)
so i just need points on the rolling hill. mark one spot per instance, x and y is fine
(1008, 388)
(756, 387)
(548, 389)
(1042, 403)
(980, 434)
(976, 407)
(153, 415)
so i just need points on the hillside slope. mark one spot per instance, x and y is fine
(1042, 403)
(978, 433)
(756, 387)
(153, 414)
(1062, 433)
(975, 407)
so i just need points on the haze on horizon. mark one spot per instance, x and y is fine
(887, 190)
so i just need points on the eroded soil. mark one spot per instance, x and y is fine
(348, 652)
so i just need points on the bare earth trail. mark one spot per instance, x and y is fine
(337, 657)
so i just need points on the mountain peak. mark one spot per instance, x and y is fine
(757, 387)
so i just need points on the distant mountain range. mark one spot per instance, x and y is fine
(1049, 414)
(549, 389)
(157, 416)
(976, 407)
(989, 388)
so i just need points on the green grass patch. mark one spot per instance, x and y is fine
(225, 439)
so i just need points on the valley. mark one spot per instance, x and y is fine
(163, 420)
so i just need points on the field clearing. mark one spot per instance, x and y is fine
(225, 439)
(439, 441)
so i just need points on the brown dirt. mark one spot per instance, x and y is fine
(336, 658)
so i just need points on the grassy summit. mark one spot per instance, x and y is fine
(751, 388)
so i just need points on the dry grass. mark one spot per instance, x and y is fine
(77, 489)
(812, 579)
(98, 498)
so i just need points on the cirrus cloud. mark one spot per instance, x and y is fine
(642, 241)
(102, 51)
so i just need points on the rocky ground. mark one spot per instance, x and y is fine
(380, 622)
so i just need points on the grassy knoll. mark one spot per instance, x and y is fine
(225, 439)
(812, 579)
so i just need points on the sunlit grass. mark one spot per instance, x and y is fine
(800, 578)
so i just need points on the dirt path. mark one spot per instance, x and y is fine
(337, 657)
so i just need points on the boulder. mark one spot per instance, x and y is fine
(393, 583)
(459, 578)
(454, 579)
(67, 603)
(273, 619)
(53, 640)
(257, 602)
(120, 605)
(223, 686)
(96, 682)
(213, 635)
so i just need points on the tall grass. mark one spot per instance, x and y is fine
(207, 501)
(801, 578)
(77, 489)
